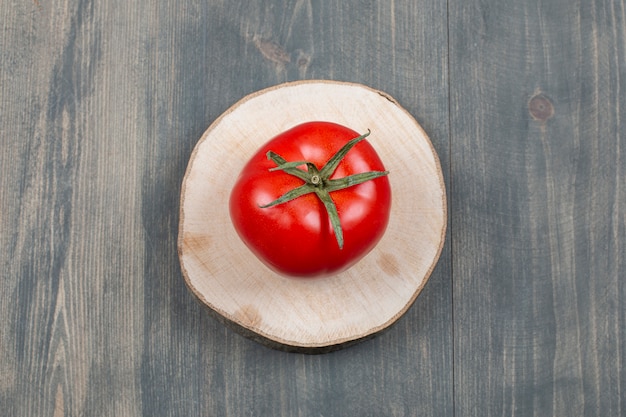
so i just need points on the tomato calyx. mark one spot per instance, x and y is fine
(318, 181)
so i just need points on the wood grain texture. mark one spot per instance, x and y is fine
(101, 104)
(322, 313)
(538, 196)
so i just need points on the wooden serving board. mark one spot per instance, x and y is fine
(323, 314)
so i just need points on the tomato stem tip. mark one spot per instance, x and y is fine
(319, 182)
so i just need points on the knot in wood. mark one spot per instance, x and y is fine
(540, 107)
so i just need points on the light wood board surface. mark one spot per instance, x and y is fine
(322, 312)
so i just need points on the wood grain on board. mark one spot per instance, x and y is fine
(323, 313)
(538, 223)
(102, 103)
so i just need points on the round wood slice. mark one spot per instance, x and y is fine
(316, 314)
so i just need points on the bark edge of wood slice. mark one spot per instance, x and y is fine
(321, 314)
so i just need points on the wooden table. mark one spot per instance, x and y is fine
(101, 104)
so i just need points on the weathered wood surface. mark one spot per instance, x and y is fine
(101, 104)
(539, 207)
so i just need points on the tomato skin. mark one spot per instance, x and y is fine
(296, 238)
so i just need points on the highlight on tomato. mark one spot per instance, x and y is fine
(312, 201)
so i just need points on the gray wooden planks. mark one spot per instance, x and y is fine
(100, 106)
(102, 102)
(538, 195)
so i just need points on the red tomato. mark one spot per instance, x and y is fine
(297, 237)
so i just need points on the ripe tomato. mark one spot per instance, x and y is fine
(296, 232)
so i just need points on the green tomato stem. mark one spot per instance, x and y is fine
(319, 182)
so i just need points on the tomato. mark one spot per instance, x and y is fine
(301, 233)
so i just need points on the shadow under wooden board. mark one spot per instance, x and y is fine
(311, 315)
